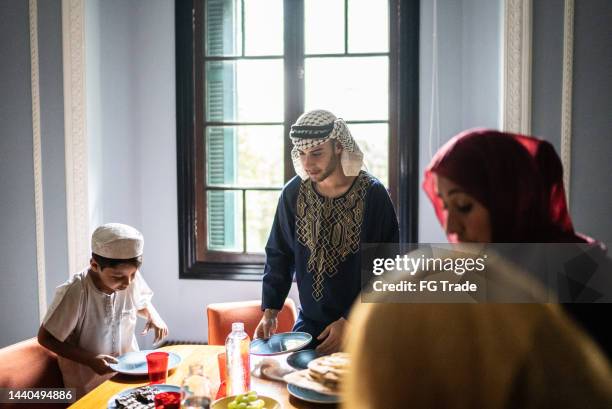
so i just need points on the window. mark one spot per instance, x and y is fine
(246, 69)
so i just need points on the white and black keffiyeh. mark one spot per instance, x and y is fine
(316, 127)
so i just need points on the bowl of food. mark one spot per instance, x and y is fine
(250, 400)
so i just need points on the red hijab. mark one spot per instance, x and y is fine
(519, 179)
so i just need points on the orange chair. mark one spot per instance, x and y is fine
(27, 364)
(222, 315)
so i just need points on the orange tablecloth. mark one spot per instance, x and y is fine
(204, 354)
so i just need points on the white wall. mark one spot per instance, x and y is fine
(132, 139)
(469, 81)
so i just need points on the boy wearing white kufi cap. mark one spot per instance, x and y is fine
(323, 216)
(92, 318)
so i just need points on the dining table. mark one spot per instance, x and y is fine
(206, 355)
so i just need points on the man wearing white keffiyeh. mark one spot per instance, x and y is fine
(323, 216)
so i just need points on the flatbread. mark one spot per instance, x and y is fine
(303, 380)
(329, 369)
(323, 375)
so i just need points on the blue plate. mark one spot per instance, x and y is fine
(135, 362)
(299, 360)
(161, 388)
(309, 395)
(280, 343)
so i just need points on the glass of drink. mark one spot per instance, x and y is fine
(222, 376)
(157, 367)
(195, 389)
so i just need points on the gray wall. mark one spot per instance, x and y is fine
(591, 181)
(470, 39)
(19, 300)
(19, 287)
(469, 81)
(547, 60)
(591, 172)
(52, 136)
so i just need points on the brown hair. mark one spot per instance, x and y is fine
(105, 262)
(465, 356)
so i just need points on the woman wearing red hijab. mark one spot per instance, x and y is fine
(494, 187)
(518, 180)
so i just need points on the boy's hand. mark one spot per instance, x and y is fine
(100, 364)
(158, 325)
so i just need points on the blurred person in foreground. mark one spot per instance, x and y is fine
(473, 356)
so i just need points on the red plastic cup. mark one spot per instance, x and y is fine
(157, 367)
(222, 376)
(168, 400)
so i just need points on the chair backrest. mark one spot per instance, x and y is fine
(222, 315)
(27, 364)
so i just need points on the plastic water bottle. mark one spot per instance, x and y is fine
(237, 352)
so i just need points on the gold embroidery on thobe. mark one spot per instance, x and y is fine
(330, 228)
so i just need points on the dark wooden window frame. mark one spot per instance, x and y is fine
(403, 127)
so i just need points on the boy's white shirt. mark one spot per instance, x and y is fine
(84, 316)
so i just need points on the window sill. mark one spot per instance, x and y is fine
(222, 271)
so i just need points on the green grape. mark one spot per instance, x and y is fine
(252, 393)
(232, 405)
(258, 404)
(241, 406)
(251, 398)
(239, 398)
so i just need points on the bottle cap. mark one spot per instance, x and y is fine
(237, 326)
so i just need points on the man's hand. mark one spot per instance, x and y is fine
(267, 325)
(332, 336)
(100, 364)
(158, 325)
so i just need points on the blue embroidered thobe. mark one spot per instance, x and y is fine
(318, 239)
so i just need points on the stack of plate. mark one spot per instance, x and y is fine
(295, 382)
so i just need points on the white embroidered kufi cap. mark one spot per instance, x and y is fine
(118, 241)
(316, 127)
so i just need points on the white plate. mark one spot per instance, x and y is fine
(135, 362)
(161, 388)
(309, 395)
